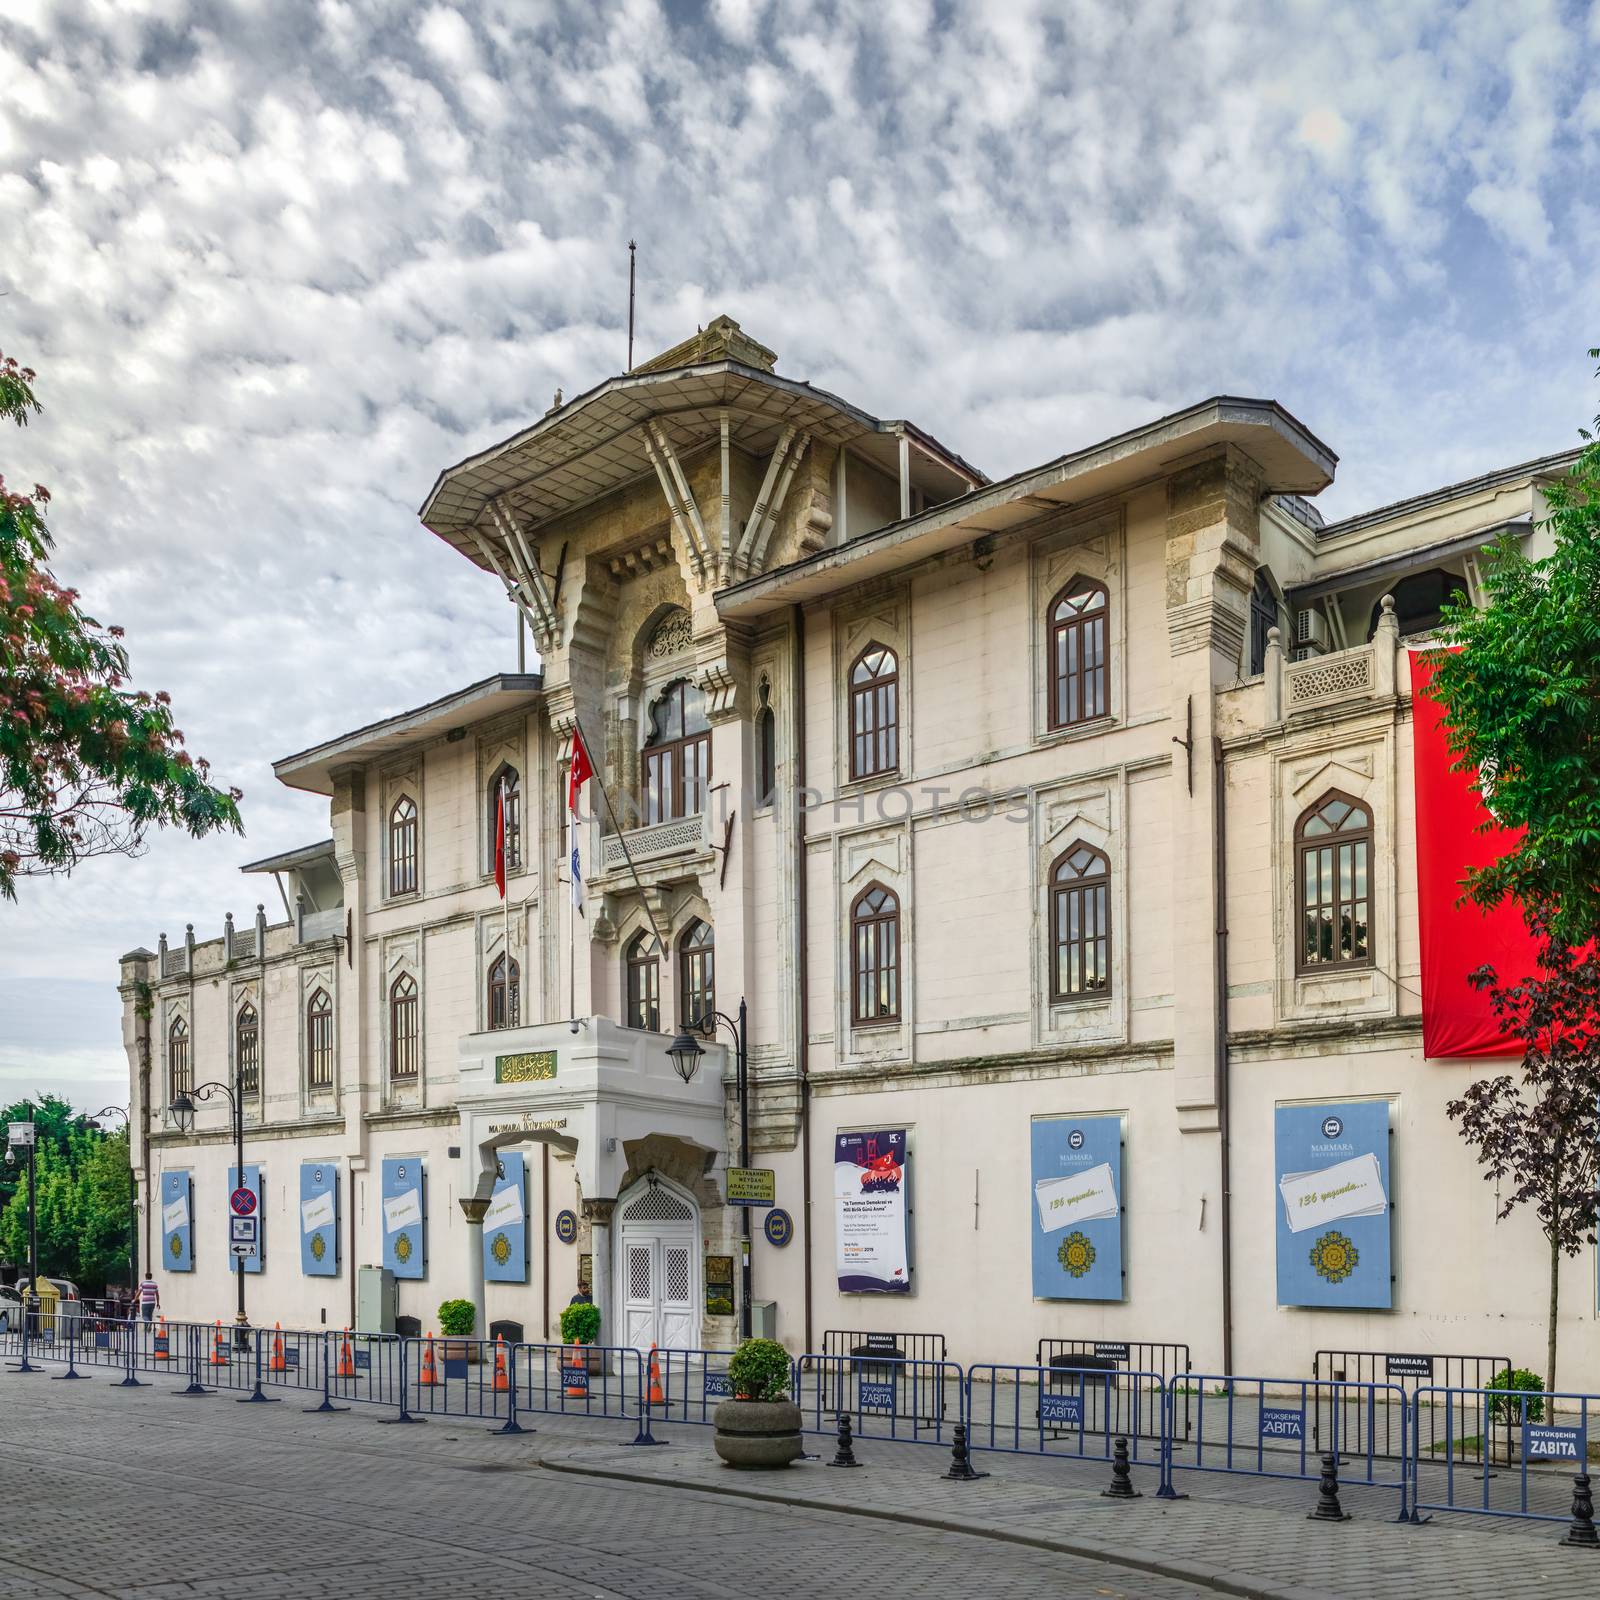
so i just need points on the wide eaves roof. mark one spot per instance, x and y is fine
(594, 445)
(1290, 456)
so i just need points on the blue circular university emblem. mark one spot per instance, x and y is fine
(1332, 1127)
(1075, 1139)
(779, 1227)
(566, 1226)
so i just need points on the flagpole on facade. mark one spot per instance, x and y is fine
(505, 902)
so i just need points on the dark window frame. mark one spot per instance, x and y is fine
(875, 950)
(180, 1069)
(697, 972)
(513, 816)
(874, 714)
(1082, 902)
(403, 846)
(503, 1002)
(319, 1040)
(766, 756)
(247, 1049)
(1330, 848)
(641, 965)
(675, 773)
(404, 1032)
(1263, 616)
(1073, 636)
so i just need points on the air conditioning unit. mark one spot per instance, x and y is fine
(1310, 634)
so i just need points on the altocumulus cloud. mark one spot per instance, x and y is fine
(280, 260)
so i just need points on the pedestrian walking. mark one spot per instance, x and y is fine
(149, 1298)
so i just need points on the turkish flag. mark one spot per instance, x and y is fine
(579, 773)
(500, 841)
(1457, 939)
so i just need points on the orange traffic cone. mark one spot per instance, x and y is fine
(578, 1391)
(656, 1396)
(161, 1342)
(502, 1380)
(219, 1352)
(429, 1377)
(277, 1363)
(347, 1362)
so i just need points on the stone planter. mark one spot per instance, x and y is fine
(460, 1350)
(758, 1435)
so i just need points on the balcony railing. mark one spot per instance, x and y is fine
(677, 837)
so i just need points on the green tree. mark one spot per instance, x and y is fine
(53, 1120)
(87, 765)
(1521, 699)
(104, 1210)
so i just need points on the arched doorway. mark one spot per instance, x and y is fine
(658, 1266)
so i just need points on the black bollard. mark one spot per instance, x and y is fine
(1121, 1479)
(845, 1455)
(1328, 1507)
(1581, 1533)
(960, 1460)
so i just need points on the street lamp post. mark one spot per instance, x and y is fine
(685, 1051)
(30, 1310)
(183, 1106)
(133, 1193)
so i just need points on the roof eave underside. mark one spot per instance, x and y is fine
(1292, 458)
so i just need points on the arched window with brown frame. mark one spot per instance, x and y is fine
(319, 1041)
(697, 986)
(642, 978)
(505, 784)
(874, 713)
(403, 1027)
(504, 1008)
(403, 846)
(1333, 884)
(179, 1076)
(1080, 920)
(1076, 624)
(247, 1048)
(875, 956)
(677, 754)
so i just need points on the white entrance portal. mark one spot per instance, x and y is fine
(658, 1267)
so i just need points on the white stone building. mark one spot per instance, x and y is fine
(990, 799)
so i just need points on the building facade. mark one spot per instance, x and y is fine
(1057, 833)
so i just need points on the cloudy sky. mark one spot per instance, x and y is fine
(279, 261)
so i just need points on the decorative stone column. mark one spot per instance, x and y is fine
(472, 1208)
(597, 1213)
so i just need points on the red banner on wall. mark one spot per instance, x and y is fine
(1457, 939)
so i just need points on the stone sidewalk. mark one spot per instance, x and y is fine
(1236, 1534)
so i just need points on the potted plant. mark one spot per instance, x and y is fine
(581, 1321)
(760, 1427)
(457, 1318)
(1507, 1411)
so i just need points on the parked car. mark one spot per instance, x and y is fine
(10, 1310)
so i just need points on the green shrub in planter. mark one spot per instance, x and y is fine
(456, 1319)
(1505, 1408)
(580, 1322)
(760, 1370)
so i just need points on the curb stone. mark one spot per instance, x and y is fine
(1199, 1573)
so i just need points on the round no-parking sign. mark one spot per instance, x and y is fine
(242, 1202)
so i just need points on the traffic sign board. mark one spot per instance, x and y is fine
(242, 1202)
(752, 1186)
(244, 1252)
(244, 1230)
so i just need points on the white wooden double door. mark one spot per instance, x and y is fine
(658, 1250)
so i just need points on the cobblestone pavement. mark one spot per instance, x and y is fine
(144, 1494)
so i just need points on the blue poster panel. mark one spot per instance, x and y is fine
(871, 1177)
(505, 1223)
(405, 1217)
(1075, 1210)
(319, 1219)
(252, 1180)
(177, 1221)
(1332, 1203)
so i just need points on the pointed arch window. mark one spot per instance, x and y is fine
(180, 1076)
(697, 988)
(677, 754)
(874, 713)
(403, 846)
(319, 1041)
(1263, 615)
(875, 956)
(403, 1027)
(1333, 894)
(766, 749)
(643, 978)
(505, 784)
(1080, 919)
(505, 994)
(247, 1049)
(1077, 644)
